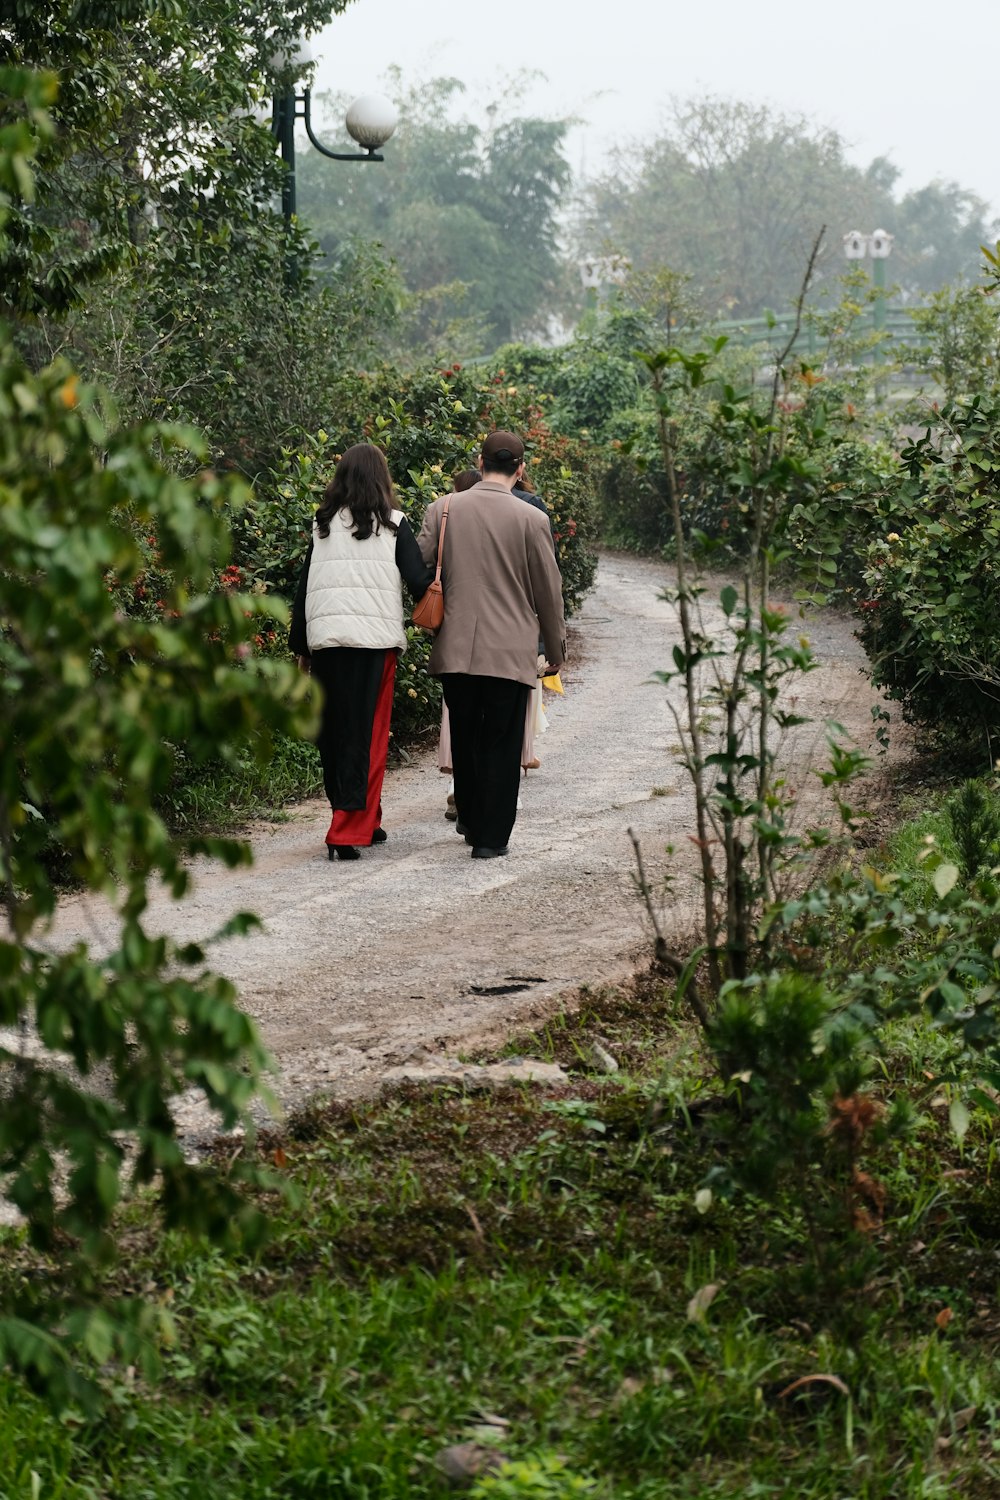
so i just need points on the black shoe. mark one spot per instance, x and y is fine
(482, 851)
(342, 851)
(379, 836)
(467, 836)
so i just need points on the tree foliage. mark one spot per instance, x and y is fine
(469, 213)
(734, 193)
(153, 254)
(97, 704)
(154, 124)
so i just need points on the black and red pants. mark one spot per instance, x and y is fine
(353, 738)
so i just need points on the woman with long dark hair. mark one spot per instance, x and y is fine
(347, 630)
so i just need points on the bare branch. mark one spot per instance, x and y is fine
(663, 956)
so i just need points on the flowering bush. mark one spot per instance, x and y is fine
(429, 425)
(931, 620)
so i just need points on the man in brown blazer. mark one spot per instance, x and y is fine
(501, 587)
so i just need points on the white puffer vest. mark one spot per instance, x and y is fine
(354, 595)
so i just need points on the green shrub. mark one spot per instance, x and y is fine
(429, 425)
(962, 328)
(974, 814)
(931, 622)
(96, 702)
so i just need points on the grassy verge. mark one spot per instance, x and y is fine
(532, 1271)
(223, 797)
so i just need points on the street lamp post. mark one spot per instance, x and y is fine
(370, 121)
(597, 274)
(879, 246)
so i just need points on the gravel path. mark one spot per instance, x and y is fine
(415, 944)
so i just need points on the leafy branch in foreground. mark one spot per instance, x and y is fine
(94, 1048)
(94, 703)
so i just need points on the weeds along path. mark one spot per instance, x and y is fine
(417, 944)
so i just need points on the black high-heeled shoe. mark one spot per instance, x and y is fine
(379, 836)
(342, 851)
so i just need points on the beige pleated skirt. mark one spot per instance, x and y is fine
(535, 723)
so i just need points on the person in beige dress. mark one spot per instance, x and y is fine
(501, 589)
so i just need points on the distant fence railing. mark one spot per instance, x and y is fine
(897, 324)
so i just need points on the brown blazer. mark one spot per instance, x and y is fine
(501, 585)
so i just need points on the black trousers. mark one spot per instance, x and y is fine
(351, 679)
(487, 727)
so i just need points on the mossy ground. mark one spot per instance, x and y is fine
(533, 1261)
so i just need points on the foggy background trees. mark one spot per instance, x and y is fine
(733, 194)
(486, 225)
(470, 213)
(155, 255)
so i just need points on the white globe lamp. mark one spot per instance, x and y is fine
(371, 120)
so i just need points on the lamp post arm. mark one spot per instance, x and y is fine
(370, 155)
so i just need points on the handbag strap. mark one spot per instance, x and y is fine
(444, 525)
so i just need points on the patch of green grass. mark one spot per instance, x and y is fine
(222, 797)
(541, 1272)
(450, 1259)
(910, 842)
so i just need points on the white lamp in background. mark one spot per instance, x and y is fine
(370, 121)
(878, 245)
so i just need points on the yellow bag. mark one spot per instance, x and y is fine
(554, 683)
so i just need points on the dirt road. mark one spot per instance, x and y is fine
(416, 943)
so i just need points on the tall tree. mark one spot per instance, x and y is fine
(939, 230)
(153, 253)
(154, 119)
(733, 194)
(459, 205)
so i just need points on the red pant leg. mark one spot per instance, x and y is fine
(358, 827)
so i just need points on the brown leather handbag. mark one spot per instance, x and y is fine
(428, 612)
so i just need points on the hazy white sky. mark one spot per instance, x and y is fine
(913, 80)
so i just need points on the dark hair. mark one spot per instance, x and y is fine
(501, 462)
(361, 484)
(466, 479)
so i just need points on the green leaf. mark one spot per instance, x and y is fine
(958, 1117)
(99, 1338)
(945, 878)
